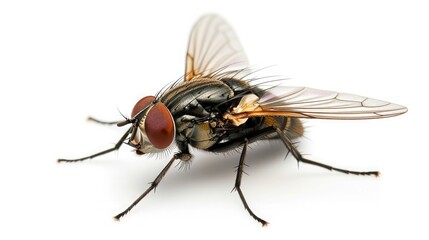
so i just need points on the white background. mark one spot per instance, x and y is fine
(61, 61)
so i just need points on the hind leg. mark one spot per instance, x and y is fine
(298, 156)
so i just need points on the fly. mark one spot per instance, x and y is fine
(216, 107)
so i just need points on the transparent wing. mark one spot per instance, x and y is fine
(303, 102)
(213, 49)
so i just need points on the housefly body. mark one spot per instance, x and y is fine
(217, 107)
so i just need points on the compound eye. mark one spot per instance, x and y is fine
(142, 104)
(159, 126)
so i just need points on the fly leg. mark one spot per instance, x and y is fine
(91, 119)
(116, 147)
(291, 147)
(238, 184)
(152, 187)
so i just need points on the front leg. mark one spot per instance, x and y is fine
(182, 144)
(154, 184)
(91, 119)
(116, 147)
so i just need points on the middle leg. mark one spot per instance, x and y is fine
(238, 184)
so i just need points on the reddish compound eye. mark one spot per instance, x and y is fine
(142, 104)
(159, 126)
